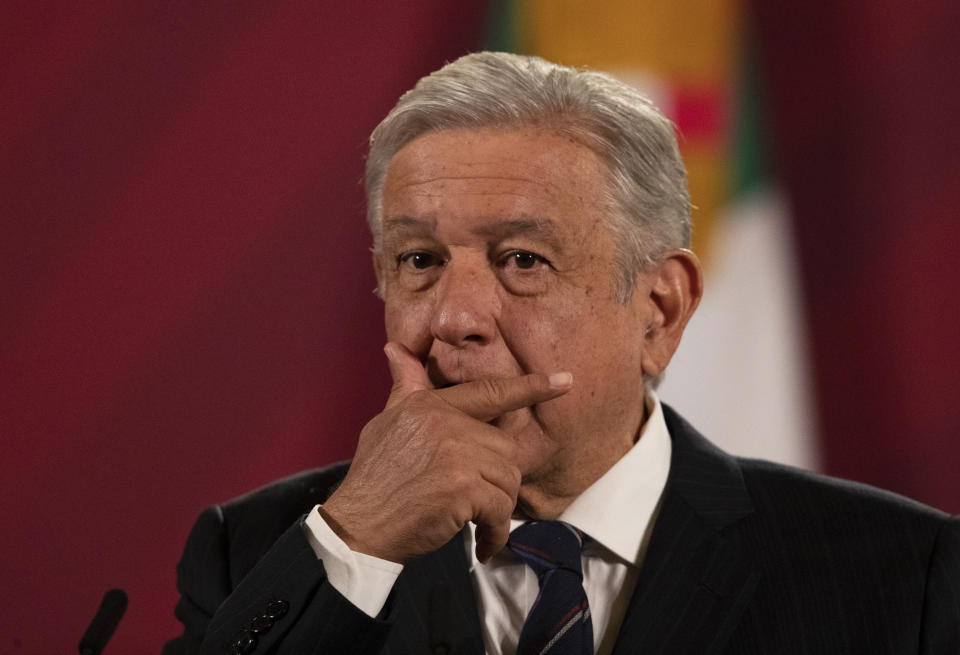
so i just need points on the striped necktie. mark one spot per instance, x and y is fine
(559, 622)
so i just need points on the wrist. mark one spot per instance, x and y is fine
(339, 522)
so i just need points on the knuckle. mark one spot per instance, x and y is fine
(536, 384)
(515, 477)
(508, 448)
(449, 451)
(462, 510)
(492, 391)
(504, 506)
(465, 483)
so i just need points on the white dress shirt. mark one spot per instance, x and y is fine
(617, 512)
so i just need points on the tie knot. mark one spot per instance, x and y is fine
(548, 545)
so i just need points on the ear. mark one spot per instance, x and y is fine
(674, 287)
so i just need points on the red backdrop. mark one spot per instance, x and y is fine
(186, 287)
(865, 107)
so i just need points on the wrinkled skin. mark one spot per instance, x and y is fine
(497, 270)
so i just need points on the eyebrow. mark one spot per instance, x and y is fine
(396, 229)
(537, 227)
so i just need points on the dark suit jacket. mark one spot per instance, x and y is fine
(745, 557)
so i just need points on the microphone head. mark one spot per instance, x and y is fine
(112, 607)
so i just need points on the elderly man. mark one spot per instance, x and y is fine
(524, 490)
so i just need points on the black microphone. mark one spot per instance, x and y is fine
(111, 610)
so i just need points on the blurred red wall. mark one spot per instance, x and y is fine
(186, 288)
(864, 108)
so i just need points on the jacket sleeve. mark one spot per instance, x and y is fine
(941, 611)
(284, 604)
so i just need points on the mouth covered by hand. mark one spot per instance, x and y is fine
(445, 377)
(432, 461)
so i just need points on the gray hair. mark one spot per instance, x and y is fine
(649, 205)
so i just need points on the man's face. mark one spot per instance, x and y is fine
(496, 260)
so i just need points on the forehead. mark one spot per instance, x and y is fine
(495, 174)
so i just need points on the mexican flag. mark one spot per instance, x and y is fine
(741, 373)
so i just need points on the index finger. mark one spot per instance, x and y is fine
(487, 399)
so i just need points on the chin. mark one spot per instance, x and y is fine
(535, 448)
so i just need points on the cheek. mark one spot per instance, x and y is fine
(544, 335)
(408, 323)
(594, 338)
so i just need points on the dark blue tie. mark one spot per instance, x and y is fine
(559, 622)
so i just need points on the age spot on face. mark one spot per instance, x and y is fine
(504, 240)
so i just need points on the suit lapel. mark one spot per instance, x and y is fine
(437, 599)
(695, 579)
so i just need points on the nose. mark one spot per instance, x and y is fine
(467, 305)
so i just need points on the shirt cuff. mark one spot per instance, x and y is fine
(362, 579)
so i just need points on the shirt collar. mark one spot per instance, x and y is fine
(618, 510)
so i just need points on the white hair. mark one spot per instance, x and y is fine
(649, 205)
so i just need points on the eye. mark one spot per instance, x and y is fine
(419, 260)
(523, 272)
(523, 259)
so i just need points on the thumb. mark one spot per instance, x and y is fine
(407, 372)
